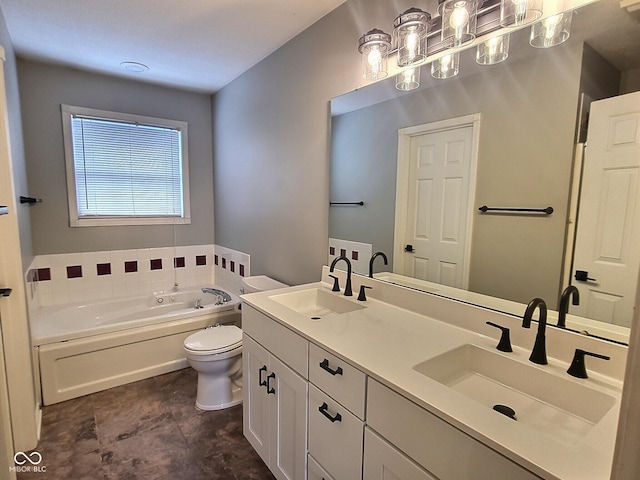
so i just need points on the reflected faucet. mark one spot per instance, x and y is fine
(347, 287)
(373, 257)
(539, 352)
(563, 305)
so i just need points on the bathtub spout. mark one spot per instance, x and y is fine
(222, 297)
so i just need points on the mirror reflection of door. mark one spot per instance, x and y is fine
(609, 212)
(440, 166)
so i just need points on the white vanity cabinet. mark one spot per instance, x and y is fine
(336, 415)
(442, 449)
(275, 394)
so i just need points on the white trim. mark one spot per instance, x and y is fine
(402, 179)
(74, 221)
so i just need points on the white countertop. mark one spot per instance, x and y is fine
(386, 341)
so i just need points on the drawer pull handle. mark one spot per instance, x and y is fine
(270, 389)
(261, 382)
(325, 366)
(323, 410)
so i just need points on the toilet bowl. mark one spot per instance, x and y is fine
(216, 354)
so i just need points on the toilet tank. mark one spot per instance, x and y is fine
(260, 283)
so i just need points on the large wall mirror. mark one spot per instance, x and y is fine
(529, 119)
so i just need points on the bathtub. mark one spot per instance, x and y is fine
(84, 348)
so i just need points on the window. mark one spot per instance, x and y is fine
(125, 169)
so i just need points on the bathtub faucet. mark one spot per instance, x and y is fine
(223, 297)
(198, 304)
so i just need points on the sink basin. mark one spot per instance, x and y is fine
(556, 406)
(316, 303)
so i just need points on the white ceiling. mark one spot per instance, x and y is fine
(200, 45)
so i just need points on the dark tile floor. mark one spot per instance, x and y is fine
(147, 430)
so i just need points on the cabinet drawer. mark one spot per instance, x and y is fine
(337, 444)
(344, 383)
(437, 446)
(315, 471)
(288, 346)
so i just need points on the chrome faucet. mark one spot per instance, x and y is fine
(198, 305)
(373, 257)
(347, 287)
(539, 352)
(223, 296)
(563, 305)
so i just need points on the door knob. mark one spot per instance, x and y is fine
(583, 276)
(409, 248)
(5, 292)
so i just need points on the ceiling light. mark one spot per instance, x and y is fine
(514, 13)
(374, 47)
(458, 21)
(134, 67)
(447, 66)
(410, 30)
(409, 79)
(551, 31)
(494, 50)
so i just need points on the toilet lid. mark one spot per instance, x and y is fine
(222, 337)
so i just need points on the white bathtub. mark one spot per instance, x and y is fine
(85, 348)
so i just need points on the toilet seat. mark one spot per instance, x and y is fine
(217, 340)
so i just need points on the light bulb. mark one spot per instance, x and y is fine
(375, 59)
(411, 44)
(521, 10)
(550, 28)
(459, 20)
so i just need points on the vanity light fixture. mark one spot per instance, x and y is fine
(494, 50)
(408, 79)
(410, 31)
(551, 31)
(515, 13)
(458, 21)
(374, 47)
(447, 66)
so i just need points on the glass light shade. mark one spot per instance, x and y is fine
(494, 50)
(408, 79)
(551, 31)
(447, 66)
(410, 30)
(374, 48)
(458, 21)
(514, 13)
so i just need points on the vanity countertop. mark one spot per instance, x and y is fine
(386, 342)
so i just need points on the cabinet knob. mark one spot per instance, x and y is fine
(261, 382)
(270, 389)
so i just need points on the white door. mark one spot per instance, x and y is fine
(608, 223)
(441, 164)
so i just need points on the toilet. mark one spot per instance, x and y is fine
(216, 354)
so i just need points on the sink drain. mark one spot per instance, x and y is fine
(505, 410)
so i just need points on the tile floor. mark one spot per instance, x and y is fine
(147, 430)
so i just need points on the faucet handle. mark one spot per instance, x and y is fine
(362, 295)
(504, 345)
(578, 368)
(336, 284)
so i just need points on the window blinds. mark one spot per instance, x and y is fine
(126, 169)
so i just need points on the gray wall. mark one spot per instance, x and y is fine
(43, 88)
(271, 155)
(528, 117)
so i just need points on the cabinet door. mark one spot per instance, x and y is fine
(255, 406)
(384, 462)
(289, 430)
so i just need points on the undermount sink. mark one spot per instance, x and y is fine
(559, 407)
(316, 303)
